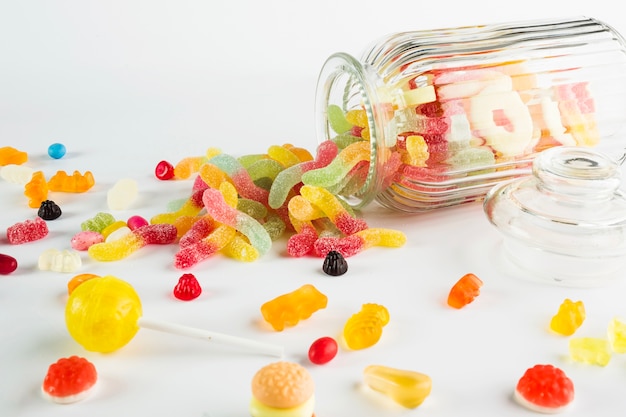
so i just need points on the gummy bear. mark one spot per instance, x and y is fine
(365, 328)
(590, 350)
(464, 291)
(12, 156)
(569, 318)
(36, 189)
(288, 309)
(407, 388)
(75, 183)
(617, 335)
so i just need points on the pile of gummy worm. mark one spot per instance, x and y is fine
(237, 207)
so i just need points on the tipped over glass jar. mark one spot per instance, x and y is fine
(436, 118)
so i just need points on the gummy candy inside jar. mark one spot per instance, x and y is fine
(430, 119)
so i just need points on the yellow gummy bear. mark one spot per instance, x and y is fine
(569, 318)
(617, 335)
(590, 350)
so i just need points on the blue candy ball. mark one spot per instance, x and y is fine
(56, 150)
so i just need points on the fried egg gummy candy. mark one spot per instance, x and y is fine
(418, 136)
(103, 314)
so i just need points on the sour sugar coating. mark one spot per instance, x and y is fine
(123, 194)
(16, 174)
(81, 241)
(569, 318)
(194, 253)
(302, 209)
(335, 211)
(193, 206)
(252, 208)
(75, 183)
(98, 222)
(217, 208)
(200, 229)
(334, 172)
(360, 241)
(49, 210)
(617, 335)
(151, 234)
(291, 176)
(101, 314)
(69, 380)
(36, 190)
(365, 328)
(59, 260)
(544, 389)
(590, 350)
(27, 231)
(240, 249)
(282, 389)
(240, 178)
(10, 155)
(8, 264)
(188, 166)
(464, 291)
(302, 243)
(265, 168)
(275, 226)
(283, 155)
(405, 387)
(288, 309)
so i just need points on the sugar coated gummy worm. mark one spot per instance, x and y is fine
(152, 234)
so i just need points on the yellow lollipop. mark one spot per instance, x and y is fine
(104, 313)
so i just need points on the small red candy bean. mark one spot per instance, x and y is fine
(8, 264)
(164, 171)
(135, 222)
(323, 350)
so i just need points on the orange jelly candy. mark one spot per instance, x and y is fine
(464, 291)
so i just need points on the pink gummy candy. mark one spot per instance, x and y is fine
(302, 243)
(347, 246)
(135, 222)
(83, 240)
(27, 231)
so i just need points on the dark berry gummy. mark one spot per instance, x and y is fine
(335, 264)
(49, 210)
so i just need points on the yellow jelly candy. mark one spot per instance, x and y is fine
(617, 335)
(590, 350)
(365, 328)
(569, 318)
(407, 388)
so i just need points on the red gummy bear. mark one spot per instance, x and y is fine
(188, 288)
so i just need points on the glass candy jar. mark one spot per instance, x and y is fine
(435, 118)
(566, 223)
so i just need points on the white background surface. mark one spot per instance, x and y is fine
(124, 84)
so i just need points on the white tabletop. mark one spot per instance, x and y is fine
(125, 84)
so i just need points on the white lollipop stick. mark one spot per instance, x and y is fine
(264, 348)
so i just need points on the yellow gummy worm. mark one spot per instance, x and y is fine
(300, 208)
(283, 155)
(239, 248)
(323, 199)
(382, 237)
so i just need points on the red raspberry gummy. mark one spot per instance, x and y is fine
(164, 171)
(69, 380)
(323, 350)
(187, 288)
(544, 388)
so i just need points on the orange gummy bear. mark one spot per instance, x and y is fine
(288, 309)
(464, 291)
(36, 190)
(12, 156)
(76, 183)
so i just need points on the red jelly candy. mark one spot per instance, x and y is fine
(187, 288)
(69, 379)
(544, 388)
(164, 171)
(8, 264)
(27, 231)
(323, 350)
